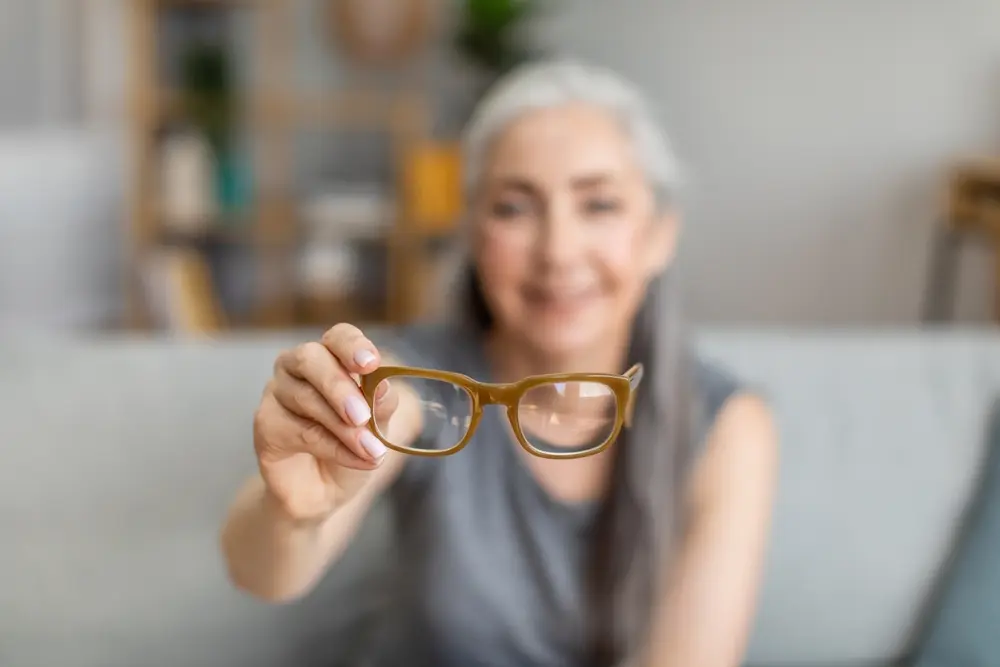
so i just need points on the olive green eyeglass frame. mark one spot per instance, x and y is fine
(509, 395)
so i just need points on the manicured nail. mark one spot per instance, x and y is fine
(357, 411)
(372, 445)
(363, 357)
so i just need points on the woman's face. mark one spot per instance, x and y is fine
(568, 235)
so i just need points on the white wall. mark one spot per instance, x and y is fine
(816, 134)
(39, 62)
(60, 232)
(60, 163)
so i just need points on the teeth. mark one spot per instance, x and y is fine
(563, 297)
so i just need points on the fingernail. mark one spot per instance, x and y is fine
(357, 411)
(363, 358)
(372, 445)
(381, 391)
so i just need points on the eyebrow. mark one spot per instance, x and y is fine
(591, 180)
(516, 183)
(578, 183)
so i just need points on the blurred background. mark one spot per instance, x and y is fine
(209, 165)
(188, 187)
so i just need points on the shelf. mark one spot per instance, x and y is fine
(214, 236)
(344, 110)
(221, 4)
(274, 228)
(242, 231)
(327, 311)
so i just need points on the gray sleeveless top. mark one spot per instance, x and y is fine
(489, 566)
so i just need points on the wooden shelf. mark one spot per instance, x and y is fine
(214, 4)
(248, 236)
(356, 110)
(271, 227)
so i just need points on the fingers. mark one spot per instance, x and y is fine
(316, 440)
(386, 400)
(314, 385)
(352, 349)
(315, 364)
(303, 400)
(298, 434)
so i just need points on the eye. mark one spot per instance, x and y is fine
(601, 206)
(506, 210)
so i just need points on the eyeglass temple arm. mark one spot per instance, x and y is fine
(634, 376)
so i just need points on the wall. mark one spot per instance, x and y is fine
(816, 135)
(59, 230)
(60, 169)
(39, 65)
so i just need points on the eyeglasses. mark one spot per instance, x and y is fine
(563, 416)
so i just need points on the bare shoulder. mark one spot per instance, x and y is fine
(740, 453)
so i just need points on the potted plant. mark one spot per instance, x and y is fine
(492, 36)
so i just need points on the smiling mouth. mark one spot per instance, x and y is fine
(561, 299)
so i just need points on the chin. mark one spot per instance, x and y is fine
(563, 343)
(564, 337)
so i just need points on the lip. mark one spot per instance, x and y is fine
(560, 295)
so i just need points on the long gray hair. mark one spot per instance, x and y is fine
(639, 518)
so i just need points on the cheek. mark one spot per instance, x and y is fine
(500, 268)
(624, 259)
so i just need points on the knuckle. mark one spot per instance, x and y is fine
(341, 333)
(283, 359)
(309, 353)
(345, 329)
(300, 400)
(313, 435)
(340, 387)
(262, 425)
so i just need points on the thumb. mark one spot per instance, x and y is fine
(385, 402)
(349, 481)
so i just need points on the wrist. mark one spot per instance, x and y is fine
(298, 515)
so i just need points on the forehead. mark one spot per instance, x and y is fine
(559, 143)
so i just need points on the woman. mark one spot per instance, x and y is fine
(648, 553)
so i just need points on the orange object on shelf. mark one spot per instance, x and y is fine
(432, 186)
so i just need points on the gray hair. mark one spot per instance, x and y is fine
(638, 522)
(550, 84)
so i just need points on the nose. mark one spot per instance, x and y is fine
(559, 239)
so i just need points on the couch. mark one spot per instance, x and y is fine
(118, 457)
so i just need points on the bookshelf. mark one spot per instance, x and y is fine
(275, 111)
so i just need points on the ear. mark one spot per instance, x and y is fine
(663, 244)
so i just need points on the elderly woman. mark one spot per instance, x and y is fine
(643, 545)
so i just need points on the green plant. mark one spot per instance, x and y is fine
(491, 33)
(207, 90)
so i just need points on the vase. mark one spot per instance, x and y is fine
(232, 183)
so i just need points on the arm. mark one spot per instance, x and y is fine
(276, 557)
(273, 555)
(707, 609)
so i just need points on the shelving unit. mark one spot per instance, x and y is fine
(276, 111)
(972, 212)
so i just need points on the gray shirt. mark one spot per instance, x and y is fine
(490, 565)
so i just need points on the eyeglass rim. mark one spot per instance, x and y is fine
(508, 395)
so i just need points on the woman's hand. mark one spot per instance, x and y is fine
(311, 436)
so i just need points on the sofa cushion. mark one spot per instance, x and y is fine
(963, 628)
